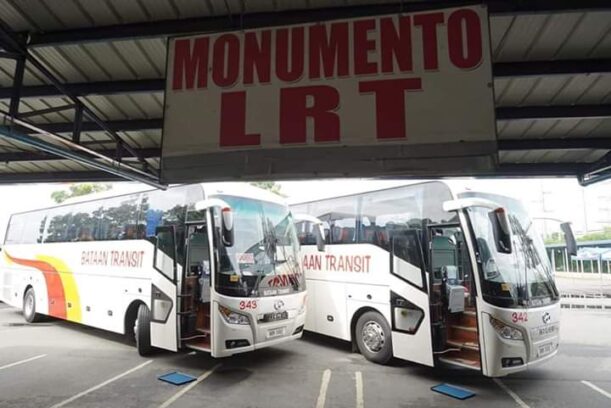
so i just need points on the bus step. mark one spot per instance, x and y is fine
(186, 313)
(463, 345)
(199, 344)
(462, 362)
(463, 334)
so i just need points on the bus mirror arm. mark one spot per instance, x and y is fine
(227, 220)
(320, 237)
(318, 229)
(569, 238)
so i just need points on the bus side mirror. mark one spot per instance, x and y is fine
(320, 237)
(227, 226)
(501, 230)
(569, 238)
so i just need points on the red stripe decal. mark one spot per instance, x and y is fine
(55, 289)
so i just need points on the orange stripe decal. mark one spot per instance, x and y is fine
(55, 290)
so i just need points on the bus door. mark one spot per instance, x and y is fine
(411, 329)
(197, 285)
(163, 290)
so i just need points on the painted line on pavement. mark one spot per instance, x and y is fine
(322, 395)
(27, 360)
(360, 402)
(512, 394)
(595, 388)
(182, 392)
(97, 387)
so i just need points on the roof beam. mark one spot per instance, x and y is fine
(559, 67)
(264, 19)
(500, 69)
(57, 177)
(554, 112)
(90, 88)
(502, 113)
(555, 144)
(116, 126)
(539, 169)
(29, 156)
(507, 145)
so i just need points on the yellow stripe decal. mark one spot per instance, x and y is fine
(73, 302)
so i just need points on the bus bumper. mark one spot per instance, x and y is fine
(540, 342)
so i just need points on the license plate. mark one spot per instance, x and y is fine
(545, 349)
(274, 317)
(544, 331)
(275, 332)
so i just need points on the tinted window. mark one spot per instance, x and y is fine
(305, 232)
(60, 226)
(339, 218)
(165, 208)
(15, 229)
(120, 219)
(34, 227)
(388, 212)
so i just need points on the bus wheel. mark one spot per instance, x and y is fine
(373, 337)
(29, 307)
(142, 331)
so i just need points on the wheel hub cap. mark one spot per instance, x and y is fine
(373, 336)
(29, 305)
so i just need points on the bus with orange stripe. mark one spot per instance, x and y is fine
(211, 267)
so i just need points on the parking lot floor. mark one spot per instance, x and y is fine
(60, 364)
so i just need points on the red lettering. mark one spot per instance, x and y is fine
(390, 104)
(233, 121)
(471, 55)
(367, 259)
(189, 62)
(226, 60)
(396, 46)
(294, 111)
(428, 23)
(295, 71)
(257, 56)
(329, 48)
(362, 46)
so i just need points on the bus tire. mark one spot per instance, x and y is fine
(29, 307)
(142, 329)
(373, 337)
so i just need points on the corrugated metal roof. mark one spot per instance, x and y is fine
(523, 37)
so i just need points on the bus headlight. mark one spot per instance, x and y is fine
(233, 317)
(505, 331)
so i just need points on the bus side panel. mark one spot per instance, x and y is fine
(330, 310)
(17, 275)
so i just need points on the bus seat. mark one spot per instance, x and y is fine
(444, 254)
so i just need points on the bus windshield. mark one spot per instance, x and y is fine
(263, 260)
(522, 278)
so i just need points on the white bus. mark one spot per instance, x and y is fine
(431, 275)
(211, 267)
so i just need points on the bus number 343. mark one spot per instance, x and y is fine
(251, 304)
(519, 317)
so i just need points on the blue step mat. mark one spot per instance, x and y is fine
(453, 391)
(177, 378)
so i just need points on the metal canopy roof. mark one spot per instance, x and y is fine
(551, 63)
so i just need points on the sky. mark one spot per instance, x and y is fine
(561, 198)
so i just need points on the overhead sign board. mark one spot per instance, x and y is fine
(377, 95)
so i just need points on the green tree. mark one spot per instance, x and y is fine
(77, 190)
(270, 186)
(597, 236)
